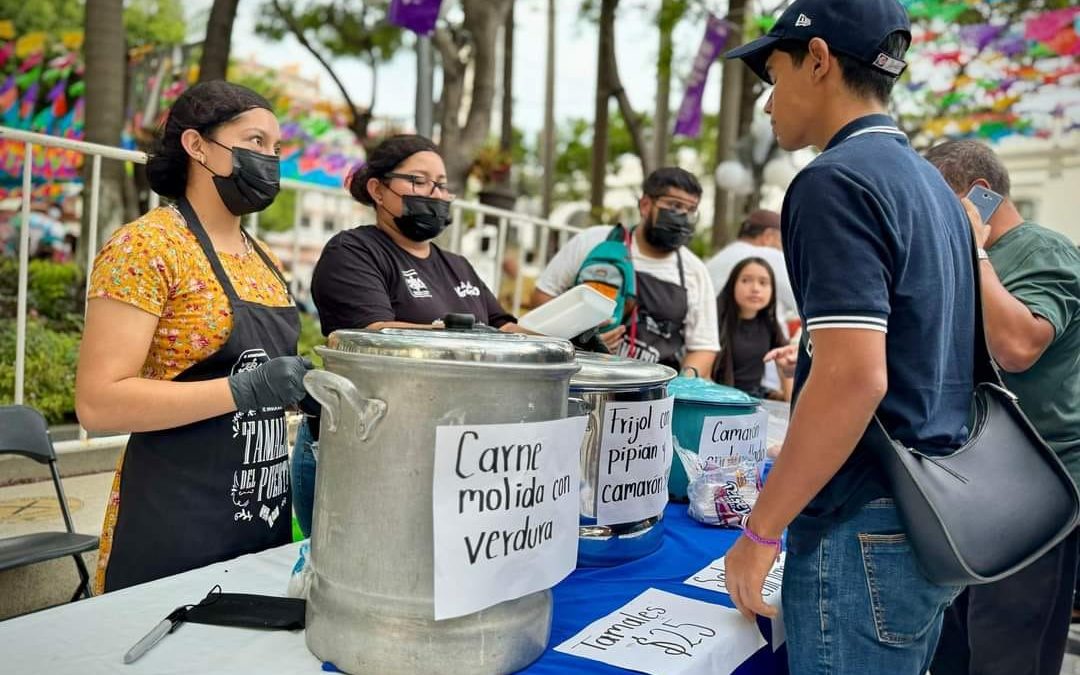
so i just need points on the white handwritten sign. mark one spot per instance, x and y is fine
(505, 506)
(667, 634)
(635, 457)
(726, 438)
(714, 578)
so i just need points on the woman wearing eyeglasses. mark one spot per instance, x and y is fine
(390, 274)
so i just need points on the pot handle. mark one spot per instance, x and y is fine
(577, 407)
(338, 396)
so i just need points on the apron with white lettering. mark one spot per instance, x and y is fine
(654, 328)
(216, 489)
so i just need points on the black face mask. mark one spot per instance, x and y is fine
(668, 230)
(253, 184)
(422, 218)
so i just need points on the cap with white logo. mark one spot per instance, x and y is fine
(856, 28)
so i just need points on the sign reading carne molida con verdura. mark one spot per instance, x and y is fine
(505, 500)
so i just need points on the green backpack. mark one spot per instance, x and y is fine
(608, 269)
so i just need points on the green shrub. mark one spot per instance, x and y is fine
(310, 337)
(54, 292)
(9, 287)
(51, 356)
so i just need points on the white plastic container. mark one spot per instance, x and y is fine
(570, 314)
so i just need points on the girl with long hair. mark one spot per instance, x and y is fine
(749, 329)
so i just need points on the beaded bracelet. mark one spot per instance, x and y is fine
(758, 539)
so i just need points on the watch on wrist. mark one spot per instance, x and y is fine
(981, 253)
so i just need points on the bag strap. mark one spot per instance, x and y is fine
(618, 233)
(986, 370)
(628, 241)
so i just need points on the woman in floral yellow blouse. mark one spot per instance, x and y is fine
(190, 345)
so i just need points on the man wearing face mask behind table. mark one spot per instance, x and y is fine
(672, 317)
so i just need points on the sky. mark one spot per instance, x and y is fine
(576, 45)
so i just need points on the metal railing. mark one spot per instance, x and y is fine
(539, 231)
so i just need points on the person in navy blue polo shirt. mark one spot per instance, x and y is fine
(878, 250)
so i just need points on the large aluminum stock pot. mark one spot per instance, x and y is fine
(605, 380)
(370, 606)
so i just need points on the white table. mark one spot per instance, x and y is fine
(91, 636)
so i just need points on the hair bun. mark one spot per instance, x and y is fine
(166, 169)
(356, 184)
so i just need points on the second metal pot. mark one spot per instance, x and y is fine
(606, 379)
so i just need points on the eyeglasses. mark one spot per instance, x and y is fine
(425, 186)
(679, 206)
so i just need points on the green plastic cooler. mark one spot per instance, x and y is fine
(696, 399)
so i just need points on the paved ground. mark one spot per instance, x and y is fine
(1072, 661)
(33, 507)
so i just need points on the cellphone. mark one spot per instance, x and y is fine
(986, 201)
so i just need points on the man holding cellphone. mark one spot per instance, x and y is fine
(1030, 283)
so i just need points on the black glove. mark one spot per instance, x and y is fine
(590, 341)
(275, 384)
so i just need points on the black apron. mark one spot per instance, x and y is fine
(654, 329)
(216, 489)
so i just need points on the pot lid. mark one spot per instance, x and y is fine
(439, 345)
(698, 390)
(602, 371)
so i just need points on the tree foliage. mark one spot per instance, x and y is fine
(331, 29)
(280, 216)
(156, 22)
(573, 153)
(468, 46)
(49, 16)
(342, 29)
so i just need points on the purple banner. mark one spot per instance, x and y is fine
(419, 16)
(688, 123)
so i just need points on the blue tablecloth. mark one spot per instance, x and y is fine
(591, 593)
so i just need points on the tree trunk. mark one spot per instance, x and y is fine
(609, 84)
(214, 63)
(106, 61)
(359, 118)
(747, 100)
(727, 136)
(630, 116)
(506, 137)
(605, 45)
(549, 116)
(458, 143)
(670, 13)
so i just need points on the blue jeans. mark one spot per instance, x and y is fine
(855, 602)
(303, 477)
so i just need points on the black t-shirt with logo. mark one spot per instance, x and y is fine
(363, 277)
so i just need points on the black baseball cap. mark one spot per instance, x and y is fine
(856, 28)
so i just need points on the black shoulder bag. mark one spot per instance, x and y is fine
(994, 505)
